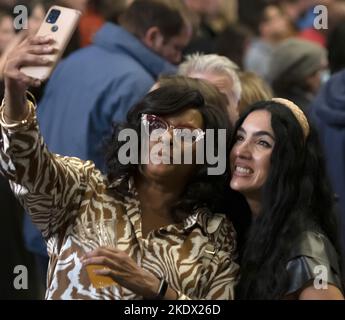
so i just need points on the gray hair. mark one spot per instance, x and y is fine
(214, 64)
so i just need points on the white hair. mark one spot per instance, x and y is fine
(213, 64)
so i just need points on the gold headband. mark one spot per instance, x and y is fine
(298, 113)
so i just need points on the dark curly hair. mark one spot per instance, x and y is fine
(202, 190)
(296, 196)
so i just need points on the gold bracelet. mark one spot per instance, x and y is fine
(21, 123)
(33, 99)
(15, 124)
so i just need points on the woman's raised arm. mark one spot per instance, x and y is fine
(50, 187)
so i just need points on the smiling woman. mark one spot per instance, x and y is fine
(251, 154)
(276, 164)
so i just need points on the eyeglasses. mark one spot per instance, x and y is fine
(155, 125)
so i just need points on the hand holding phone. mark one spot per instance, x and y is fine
(59, 23)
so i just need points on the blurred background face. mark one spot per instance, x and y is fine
(250, 157)
(276, 25)
(172, 49)
(6, 32)
(190, 119)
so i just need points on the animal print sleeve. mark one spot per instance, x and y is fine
(50, 187)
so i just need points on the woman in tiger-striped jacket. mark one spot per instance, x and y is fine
(169, 245)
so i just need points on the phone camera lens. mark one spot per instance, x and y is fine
(53, 16)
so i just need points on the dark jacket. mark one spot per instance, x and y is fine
(327, 112)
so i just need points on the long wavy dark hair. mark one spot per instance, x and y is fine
(296, 195)
(202, 190)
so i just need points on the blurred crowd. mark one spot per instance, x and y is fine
(251, 50)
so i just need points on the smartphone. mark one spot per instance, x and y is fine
(60, 23)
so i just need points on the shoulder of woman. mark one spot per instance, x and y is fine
(312, 256)
(314, 244)
(219, 228)
(213, 222)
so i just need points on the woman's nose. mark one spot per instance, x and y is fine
(243, 151)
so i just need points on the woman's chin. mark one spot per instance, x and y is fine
(237, 186)
(160, 170)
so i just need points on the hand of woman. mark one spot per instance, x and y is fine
(30, 52)
(123, 270)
